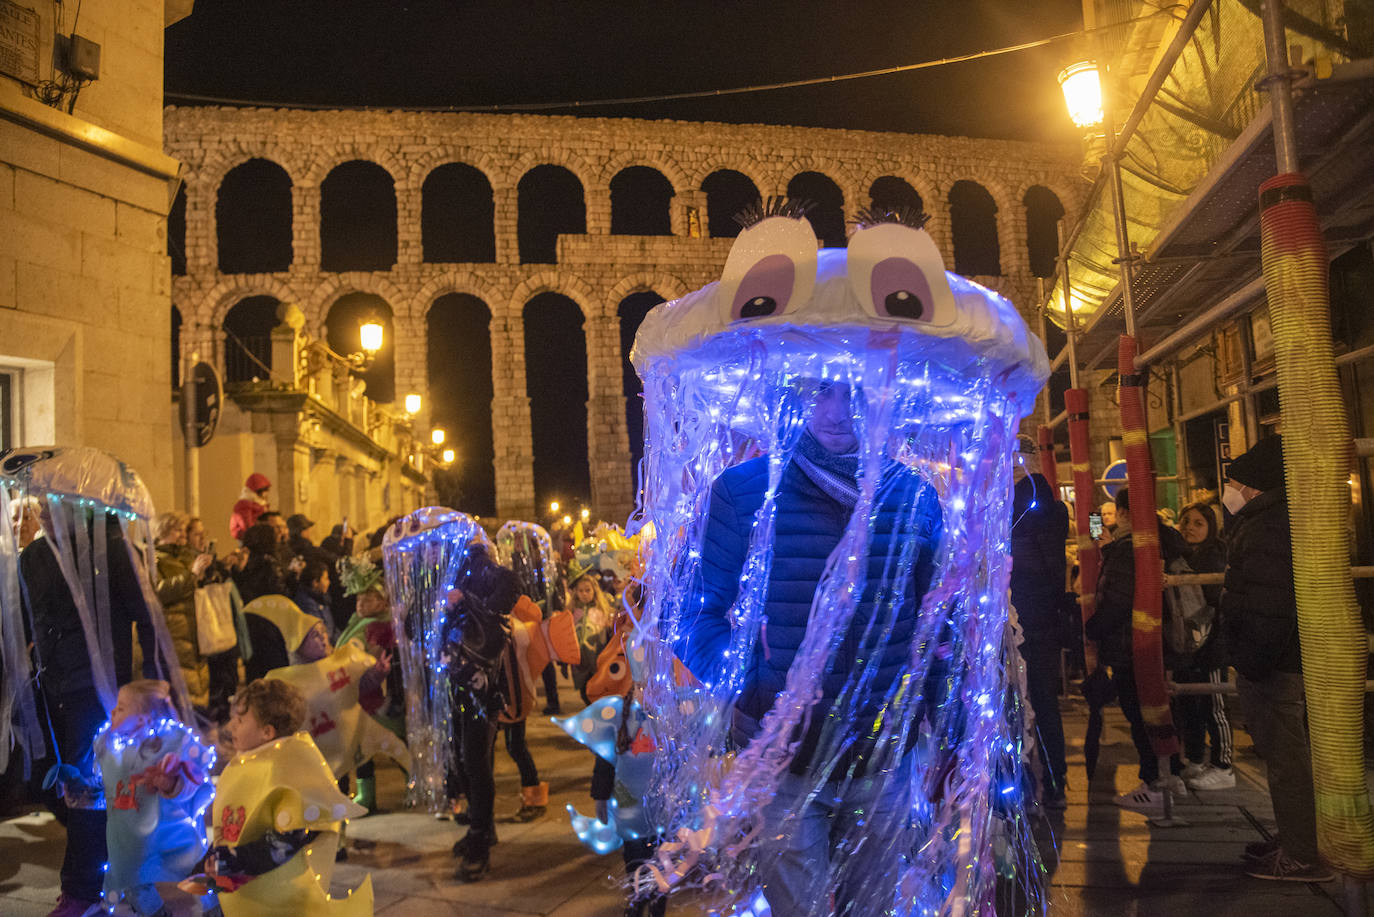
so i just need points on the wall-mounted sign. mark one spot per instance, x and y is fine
(18, 42)
(203, 396)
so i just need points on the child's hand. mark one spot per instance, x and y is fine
(383, 665)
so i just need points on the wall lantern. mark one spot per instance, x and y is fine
(412, 403)
(436, 436)
(1082, 86)
(370, 336)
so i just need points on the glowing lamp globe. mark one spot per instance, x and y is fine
(567, 520)
(1082, 87)
(370, 336)
(585, 514)
(412, 403)
(449, 456)
(436, 436)
(553, 507)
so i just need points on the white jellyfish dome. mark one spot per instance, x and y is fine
(871, 684)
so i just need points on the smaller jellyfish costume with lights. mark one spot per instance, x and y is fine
(152, 837)
(527, 550)
(424, 554)
(866, 730)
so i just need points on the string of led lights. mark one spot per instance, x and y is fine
(527, 107)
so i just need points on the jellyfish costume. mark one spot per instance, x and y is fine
(912, 773)
(527, 549)
(90, 502)
(424, 553)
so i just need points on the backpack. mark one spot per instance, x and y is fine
(1188, 619)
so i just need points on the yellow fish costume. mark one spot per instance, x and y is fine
(345, 733)
(283, 786)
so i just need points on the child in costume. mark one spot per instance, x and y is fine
(594, 618)
(156, 776)
(277, 815)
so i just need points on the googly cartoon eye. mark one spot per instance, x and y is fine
(896, 272)
(771, 268)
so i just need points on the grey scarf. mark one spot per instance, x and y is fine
(836, 475)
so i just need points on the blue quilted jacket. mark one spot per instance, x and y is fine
(809, 524)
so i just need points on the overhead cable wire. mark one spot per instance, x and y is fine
(515, 107)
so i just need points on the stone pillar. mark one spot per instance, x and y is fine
(409, 242)
(506, 217)
(291, 486)
(941, 233)
(510, 421)
(305, 227)
(412, 372)
(202, 247)
(598, 209)
(684, 201)
(607, 433)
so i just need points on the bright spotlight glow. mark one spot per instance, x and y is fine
(412, 403)
(449, 456)
(553, 507)
(370, 335)
(1082, 88)
(436, 436)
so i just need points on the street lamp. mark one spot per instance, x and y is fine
(585, 514)
(412, 403)
(1082, 87)
(370, 336)
(553, 507)
(567, 520)
(436, 436)
(449, 456)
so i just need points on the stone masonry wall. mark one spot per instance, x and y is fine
(596, 270)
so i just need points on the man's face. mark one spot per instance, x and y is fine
(831, 422)
(279, 525)
(245, 732)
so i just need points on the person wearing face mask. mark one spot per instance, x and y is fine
(1259, 615)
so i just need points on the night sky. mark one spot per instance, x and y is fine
(397, 53)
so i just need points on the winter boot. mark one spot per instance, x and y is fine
(534, 801)
(366, 796)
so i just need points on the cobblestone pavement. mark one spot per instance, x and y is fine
(1110, 861)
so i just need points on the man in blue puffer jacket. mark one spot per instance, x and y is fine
(815, 500)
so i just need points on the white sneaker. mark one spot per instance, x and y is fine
(1174, 783)
(1141, 798)
(1213, 778)
(1192, 770)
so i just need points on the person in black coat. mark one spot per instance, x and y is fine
(68, 684)
(1039, 530)
(1203, 715)
(814, 502)
(1111, 626)
(1259, 614)
(261, 573)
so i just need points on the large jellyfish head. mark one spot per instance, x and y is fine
(94, 511)
(902, 386)
(424, 554)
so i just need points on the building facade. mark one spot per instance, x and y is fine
(641, 210)
(84, 194)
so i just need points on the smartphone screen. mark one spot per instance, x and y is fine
(1095, 525)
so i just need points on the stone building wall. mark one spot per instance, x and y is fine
(595, 270)
(84, 277)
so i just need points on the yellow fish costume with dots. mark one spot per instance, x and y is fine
(281, 786)
(345, 733)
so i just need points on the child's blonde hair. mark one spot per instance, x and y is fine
(151, 696)
(604, 613)
(273, 703)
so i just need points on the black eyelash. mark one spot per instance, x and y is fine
(761, 210)
(903, 215)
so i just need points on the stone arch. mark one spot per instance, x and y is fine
(558, 385)
(726, 198)
(232, 154)
(459, 378)
(744, 164)
(1043, 210)
(630, 311)
(359, 218)
(668, 286)
(550, 201)
(466, 283)
(569, 160)
(340, 331)
(336, 286)
(911, 175)
(641, 202)
(564, 283)
(827, 216)
(656, 159)
(457, 215)
(223, 295)
(431, 159)
(247, 346)
(975, 225)
(327, 159)
(253, 219)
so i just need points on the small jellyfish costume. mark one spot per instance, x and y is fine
(896, 711)
(424, 553)
(90, 501)
(526, 548)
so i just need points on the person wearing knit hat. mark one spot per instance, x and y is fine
(251, 504)
(1259, 618)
